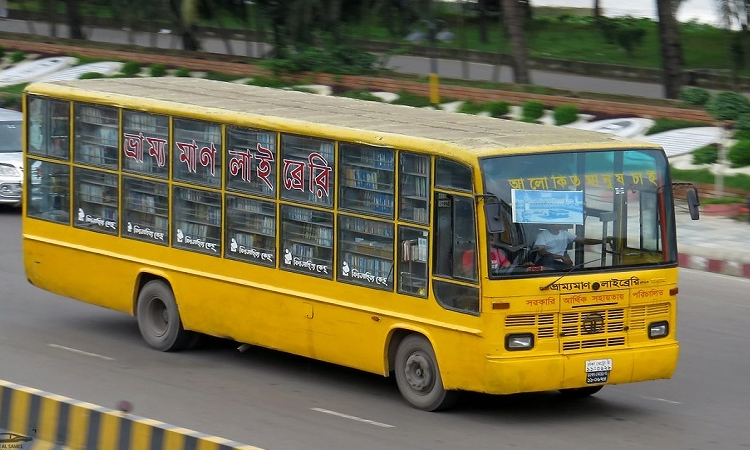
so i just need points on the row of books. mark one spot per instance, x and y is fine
(369, 227)
(197, 230)
(376, 267)
(145, 203)
(380, 159)
(261, 224)
(415, 164)
(414, 213)
(416, 186)
(415, 250)
(373, 201)
(368, 179)
(322, 236)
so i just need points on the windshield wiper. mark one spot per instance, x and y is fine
(567, 271)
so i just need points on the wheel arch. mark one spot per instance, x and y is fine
(143, 277)
(396, 335)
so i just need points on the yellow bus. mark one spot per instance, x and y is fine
(396, 240)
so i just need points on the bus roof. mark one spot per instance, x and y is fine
(462, 136)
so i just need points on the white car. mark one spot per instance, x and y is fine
(11, 157)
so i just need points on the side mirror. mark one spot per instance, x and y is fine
(494, 216)
(693, 203)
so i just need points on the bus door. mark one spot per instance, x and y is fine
(456, 260)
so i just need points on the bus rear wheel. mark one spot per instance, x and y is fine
(159, 318)
(581, 392)
(418, 376)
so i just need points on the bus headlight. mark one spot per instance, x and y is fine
(521, 341)
(658, 330)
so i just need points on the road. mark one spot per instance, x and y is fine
(282, 402)
(401, 63)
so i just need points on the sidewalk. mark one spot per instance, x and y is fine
(714, 244)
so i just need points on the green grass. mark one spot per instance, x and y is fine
(703, 176)
(14, 89)
(662, 124)
(219, 76)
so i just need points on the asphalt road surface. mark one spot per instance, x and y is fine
(281, 402)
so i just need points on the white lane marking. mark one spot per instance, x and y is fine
(81, 352)
(660, 399)
(358, 419)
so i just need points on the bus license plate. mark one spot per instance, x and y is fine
(597, 377)
(598, 365)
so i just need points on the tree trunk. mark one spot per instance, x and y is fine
(482, 6)
(75, 24)
(671, 49)
(514, 23)
(597, 9)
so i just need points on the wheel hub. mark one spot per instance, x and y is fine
(418, 373)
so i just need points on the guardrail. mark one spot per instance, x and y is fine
(30, 418)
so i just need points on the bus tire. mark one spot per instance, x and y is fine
(159, 318)
(418, 376)
(581, 392)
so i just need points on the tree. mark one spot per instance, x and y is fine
(75, 24)
(736, 12)
(671, 48)
(513, 19)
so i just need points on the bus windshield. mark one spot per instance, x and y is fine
(582, 210)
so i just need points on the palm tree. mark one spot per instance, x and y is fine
(513, 19)
(671, 48)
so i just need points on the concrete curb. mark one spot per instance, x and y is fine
(722, 266)
(54, 421)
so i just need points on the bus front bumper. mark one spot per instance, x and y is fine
(543, 373)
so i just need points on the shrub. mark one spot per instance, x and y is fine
(131, 68)
(182, 72)
(271, 82)
(565, 114)
(409, 99)
(220, 76)
(361, 95)
(331, 58)
(497, 109)
(695, 95)
(532, 111)
(469, 107)
(623, 31)
(728, 105)
(2, 52)
(91, 75)
(11, 101)
(17, 57)
(743, 122)
(663, 124)
(706, 155)
(157, 70)
(739, 154)
(741, 135)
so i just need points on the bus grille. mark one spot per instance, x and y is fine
(639, 315)
(581, 330)
(544, 323)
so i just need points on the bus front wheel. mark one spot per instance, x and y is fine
(418, 376)
(159, 318)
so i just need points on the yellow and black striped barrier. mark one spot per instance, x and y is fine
(31, 419)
